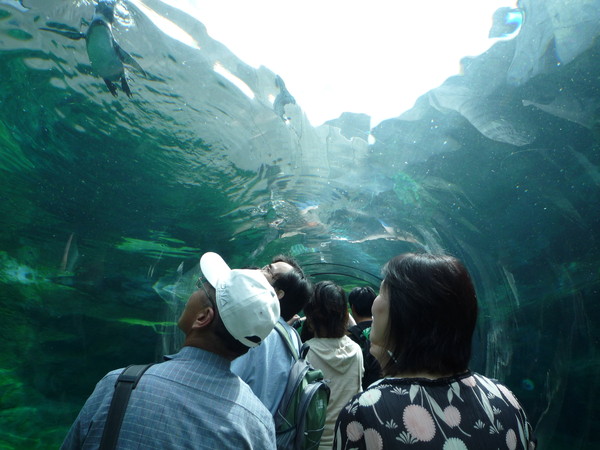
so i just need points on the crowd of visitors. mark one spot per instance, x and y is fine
(396, 364)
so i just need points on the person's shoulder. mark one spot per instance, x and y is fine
(249, 402)
(291, 333)
(351, 343)
(356, 333)
(276, 340)
(245, 412)
(354, 327)
(247, 408)
(496, 388)
(111, 377)
(106, 385)
(380, 392)
(248, 359)
(281, 326)
(482, 380)
(271, 339)
(386, 390)
(507, 393)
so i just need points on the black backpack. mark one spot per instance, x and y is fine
(300, 417)
(359, 334)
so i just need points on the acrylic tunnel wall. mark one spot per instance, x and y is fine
(108, 201)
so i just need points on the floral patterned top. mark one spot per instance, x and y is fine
(467, 411)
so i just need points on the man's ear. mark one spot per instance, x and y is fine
(204, 318)
(280, 293)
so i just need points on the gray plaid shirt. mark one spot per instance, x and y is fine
(191, 401)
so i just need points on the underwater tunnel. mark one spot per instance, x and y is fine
(109, 199)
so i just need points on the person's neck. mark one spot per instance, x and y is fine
(209, 345)
(426, 375)
(360, 319)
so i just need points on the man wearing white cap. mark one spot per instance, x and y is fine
(266, 368)
(193, 400)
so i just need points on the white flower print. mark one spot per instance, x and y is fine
(406, 438)
(386, 418)
(351, 408)
(391, 424)
(399, 391)
(496, 428)
(454, 444)
(479, 425)
(369, 397)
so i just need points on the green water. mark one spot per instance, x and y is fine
(104, 198)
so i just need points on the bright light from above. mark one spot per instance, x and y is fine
(373, 57)
(167, 26)
(218, 68)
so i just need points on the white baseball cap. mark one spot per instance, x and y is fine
(247, 303)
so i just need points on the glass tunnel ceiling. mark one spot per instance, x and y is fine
(107, 202)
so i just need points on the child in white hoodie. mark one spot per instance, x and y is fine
(333, 352)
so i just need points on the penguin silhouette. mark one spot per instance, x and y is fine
(105, 54)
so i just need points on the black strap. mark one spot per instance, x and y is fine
(126, 383)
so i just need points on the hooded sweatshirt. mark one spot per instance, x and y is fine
(341, 361)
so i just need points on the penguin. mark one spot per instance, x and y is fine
(105, 54)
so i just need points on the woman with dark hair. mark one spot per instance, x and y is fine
(333, 352)
(423, 323)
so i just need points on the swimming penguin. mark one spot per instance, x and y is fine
(105, 54)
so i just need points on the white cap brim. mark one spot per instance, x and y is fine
(213, 268)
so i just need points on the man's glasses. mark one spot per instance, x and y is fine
(200, 284)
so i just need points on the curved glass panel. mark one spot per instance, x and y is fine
(114, 183)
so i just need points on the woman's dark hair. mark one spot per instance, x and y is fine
(361, 299)
(296, 286)
(327, 311)
(433, 310)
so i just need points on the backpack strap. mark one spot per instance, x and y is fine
(304, 350)
(358, 333)
(286, 337)
(127, 382)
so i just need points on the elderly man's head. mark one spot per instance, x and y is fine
(291, 285)
(237, 304)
